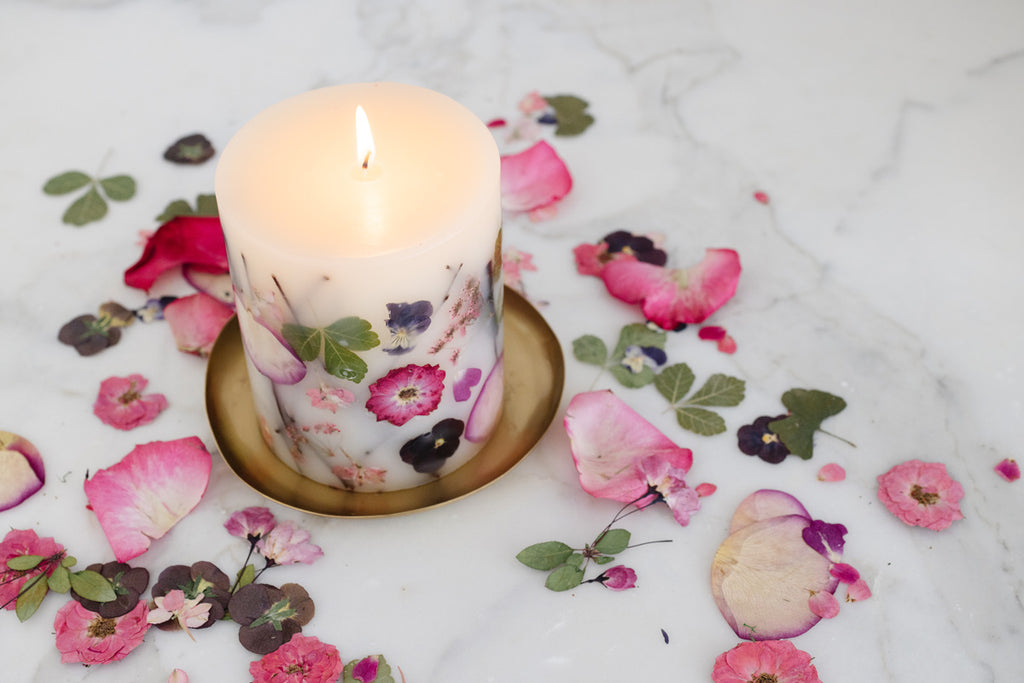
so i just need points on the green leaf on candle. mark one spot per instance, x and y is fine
(339, 341)
(343, 362)
(354, 333)
(307, 341)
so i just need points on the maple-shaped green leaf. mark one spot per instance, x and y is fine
(613, 542)
(544, 556)
(66, 182)
(92, 586)
(86, 209)
(674, 382)
(60, 580)
(342, 362)
(23, 563)
(699, 420)
(719, 391)
(564, 578)
(383, 671)
(590, 350)
(352, 332)
(119, 187)
(31, 596)
(571, 114)
(206, 205)
(307, 341)
(808, 408)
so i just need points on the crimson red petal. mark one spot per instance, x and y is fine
(193, 240)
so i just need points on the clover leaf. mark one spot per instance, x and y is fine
(719, 391)
(91, 206)
(338, 343)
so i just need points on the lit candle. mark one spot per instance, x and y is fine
(367, 275)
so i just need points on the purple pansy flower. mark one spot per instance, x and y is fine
(406, 322)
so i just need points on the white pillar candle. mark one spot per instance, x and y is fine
(368, 283)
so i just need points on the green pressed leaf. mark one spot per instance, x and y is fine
(69, 561)
(206, 205)
(245, 576)
(603, 559)
(571, 114)
(24, 562)
(66, 182)
(544, 556)
(808, 409)
(564, 578)
(674, 382)
(576, 560)
(637, 334)
(630, 379)
(342, 362)
(119, 187)
(699, 420)
(60, 580)
(179, 207)
(719, 390)
(590, 350)
(86, 209)
(307, 341)
(92, 586)
(383, 671)
(31, 596)
(353, 332)
(613, 542)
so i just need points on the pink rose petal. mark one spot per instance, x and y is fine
(844, 572)
(765, 504)
(21, 470)
(1008, 469)
(152, 488)
(607, 437)
(670, 297)
(824, 604)
(831, 472)
(762, 575)
(533, 179)
(762, 197)
(196, 321)
(705, 489)
(195, 240)
(858, 590)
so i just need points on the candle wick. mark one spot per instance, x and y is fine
(366, 161)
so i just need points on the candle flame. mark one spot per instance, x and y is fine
(365, 149)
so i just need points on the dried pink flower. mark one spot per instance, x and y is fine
(16, 543)
(303, 659)
(188, 612)
(330, 398)
(1008, 469)
(921, 494)
(122, 405)
(287, 544)
(406, 392)
(86, 637)
(513, 262)
(618, 578)
(764, 661)
(252, 523)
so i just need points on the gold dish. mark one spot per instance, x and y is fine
(534, 375)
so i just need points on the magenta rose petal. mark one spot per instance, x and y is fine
(195, 240)
(1008, 469)
(670, 297)
(607, 437)
(196, 321)
(21, 470)
(533, 179)
(765, 504)
(762, 576)
(149, 491)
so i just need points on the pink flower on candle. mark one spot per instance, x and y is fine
(921, 494)
(121, 404)
(86, 637)
(406, 392)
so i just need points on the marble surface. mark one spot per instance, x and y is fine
(884, 269)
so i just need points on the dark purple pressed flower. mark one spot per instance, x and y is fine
(128, 584)
(406, 322)
(636, 358)
(639, 246)
(269, 616)
(757, 439)
(825, 539)
(428, 452)
(202, 578)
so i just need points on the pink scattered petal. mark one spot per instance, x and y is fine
(87, 638)
(532, 102)
(533, 179)
(762, 575)
(824, 604)
(711, 333)
(765, 504)
(670, 297)
(195, 240)
(831, 472)
(727, 344)
(858, 590)
(178, 676)
(591, 258)
(704, 490)
(365, 670)
(844, 572)
(149, 491)
(122, 405)
(762, 197)
(778, 661)
(1008, 469)
(607, 438)
(196, 321)
(496, 123)
(21, 470)
(921, 494)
